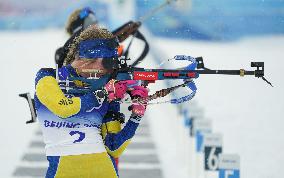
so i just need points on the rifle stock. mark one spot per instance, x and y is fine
(129, 28)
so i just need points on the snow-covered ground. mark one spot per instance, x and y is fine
(246, 110)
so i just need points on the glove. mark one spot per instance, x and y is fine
(139, 108)
(117, 89)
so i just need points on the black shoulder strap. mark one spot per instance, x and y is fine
(140, 36)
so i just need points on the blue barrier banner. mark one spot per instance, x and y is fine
(229, 166)
(225, 173)
(220, 20)
(199, 141)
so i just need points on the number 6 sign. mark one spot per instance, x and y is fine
(212, 149)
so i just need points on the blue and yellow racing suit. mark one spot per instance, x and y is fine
(80, 141)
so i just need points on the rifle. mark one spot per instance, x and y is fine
(146, 76)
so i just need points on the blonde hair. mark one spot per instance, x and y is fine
(72, 18)
(92, 32)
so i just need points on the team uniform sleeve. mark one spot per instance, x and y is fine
(49, 94)
(116, 143)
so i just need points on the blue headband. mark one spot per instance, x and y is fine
(98, 48)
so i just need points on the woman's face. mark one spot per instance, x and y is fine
(90, 67)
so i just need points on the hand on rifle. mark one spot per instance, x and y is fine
(140, 94)
(117, 89)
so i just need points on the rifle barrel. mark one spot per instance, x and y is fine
(221, 72)
(226, 72)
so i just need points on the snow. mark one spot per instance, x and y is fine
(247, 111)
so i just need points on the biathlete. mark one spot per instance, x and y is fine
(79, 20)
(72, 124)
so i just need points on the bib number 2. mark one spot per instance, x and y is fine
(81, 137)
